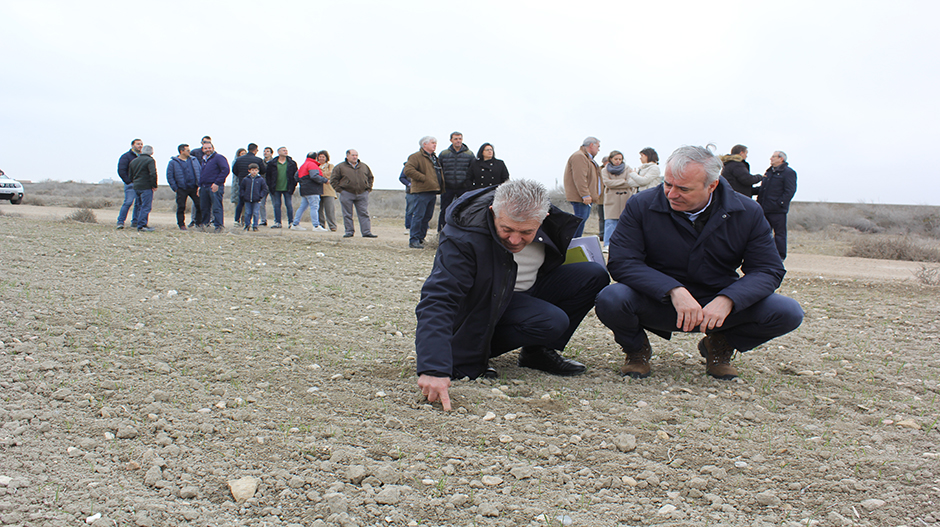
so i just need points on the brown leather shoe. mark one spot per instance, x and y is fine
(718, 352)
(637, 363)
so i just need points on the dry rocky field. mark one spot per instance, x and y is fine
(141, 374)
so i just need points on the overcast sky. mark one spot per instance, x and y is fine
(846, 88)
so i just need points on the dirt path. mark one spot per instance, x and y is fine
(798, 265)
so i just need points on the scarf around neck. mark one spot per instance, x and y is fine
(616, 169)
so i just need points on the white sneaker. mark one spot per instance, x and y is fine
(606, 249)
(298, 228)
(319, 228)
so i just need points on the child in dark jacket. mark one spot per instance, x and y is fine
(253, 190)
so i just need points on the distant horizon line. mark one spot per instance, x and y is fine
(110, 181)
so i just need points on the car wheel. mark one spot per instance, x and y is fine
(14, 201)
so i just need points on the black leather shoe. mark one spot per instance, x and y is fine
(370, 235)
(416, 245)
(490, 373)
(348, 235)
(549, 361)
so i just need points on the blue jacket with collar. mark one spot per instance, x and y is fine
(655, 249)
(183, 174)
(124, 164)
(214, 170)
(471, 284)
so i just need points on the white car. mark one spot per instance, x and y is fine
(11, 189)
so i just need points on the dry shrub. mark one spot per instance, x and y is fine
(34, 200)
(928, 275)
(902, 248)
(86, 203)
(82, 216)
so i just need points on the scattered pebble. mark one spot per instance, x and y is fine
(243, 488)
(491, 481)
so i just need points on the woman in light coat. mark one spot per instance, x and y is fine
(327, 215)
(647, 175)
(617, 190)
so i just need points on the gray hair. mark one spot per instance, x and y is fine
(147, 149)
(696, 155)
(426, 139)
(521, 200)
(782, 154)
(590, 140)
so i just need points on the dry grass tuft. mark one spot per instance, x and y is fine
(896, 248)
(100, 203)
(82, 216)
(928, 275)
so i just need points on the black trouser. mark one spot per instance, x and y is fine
(447, 197)
(549, 313)
(778, 222)
(196, 214)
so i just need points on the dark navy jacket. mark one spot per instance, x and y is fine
(777, 189)
(182, 174)
(123, 164)
(253, 189)
(214, 170)
(240, 166)
(655, 249)
(471, 284)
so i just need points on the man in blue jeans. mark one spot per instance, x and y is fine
(582, 177)
(423, 170)
(281, 177)
(212, 178)
(675, 255)
(130, 197)
(143, 172)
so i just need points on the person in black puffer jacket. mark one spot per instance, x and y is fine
(455, 166)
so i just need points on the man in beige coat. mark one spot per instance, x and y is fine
(424, 172)
(581, 180)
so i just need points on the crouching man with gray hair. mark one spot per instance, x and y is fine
(675, 255)
(498, 284)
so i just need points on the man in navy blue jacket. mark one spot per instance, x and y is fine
(182, 173)
(776, 191)
(130, 196)
(675, 254)
(498, 284)
(212, 185)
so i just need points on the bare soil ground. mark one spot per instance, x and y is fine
(141, 373)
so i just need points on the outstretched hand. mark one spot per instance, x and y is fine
(435, 388)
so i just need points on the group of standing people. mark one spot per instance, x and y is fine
(452, 173)
(200, 175)
(609, 184)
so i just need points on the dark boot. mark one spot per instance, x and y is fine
(637, 363)
(718, 353)
(548, 360)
